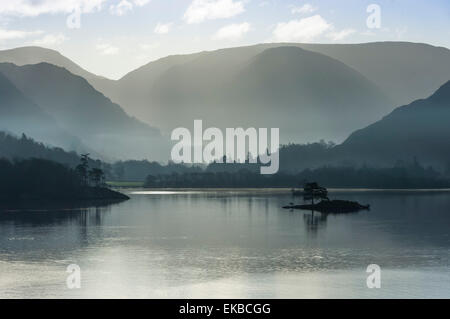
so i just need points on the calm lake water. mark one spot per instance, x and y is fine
(230, 244)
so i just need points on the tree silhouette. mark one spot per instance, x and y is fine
(97, 177)
(313, 190)
(83, 169)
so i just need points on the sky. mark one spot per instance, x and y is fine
(113, 37)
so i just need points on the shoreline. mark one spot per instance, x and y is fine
(135, 190)
(87, 198)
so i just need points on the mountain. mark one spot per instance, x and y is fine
(84, 112)
(419, 131)
(404, 71)
(306, 94)
(133, 88)
(400, 71)
(20, 115)
(34, 55)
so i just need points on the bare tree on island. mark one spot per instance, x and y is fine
(313, 190)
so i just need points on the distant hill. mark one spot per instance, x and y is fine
(306, 94)
(172, 91)
(402, 71)
(419, 130)
(19, 114)
(84, 112)
(34, 55)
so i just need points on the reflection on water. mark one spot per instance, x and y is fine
(230, 244)
(314, 221)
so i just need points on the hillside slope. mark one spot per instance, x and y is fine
(419, 130)
(307, 95)
(84, 112)
(34, 55)
(20, 115)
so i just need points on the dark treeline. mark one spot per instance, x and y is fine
(295, 158)
(40, 179)
(16, 148)
(409, 176)
(298, 163)
(139, 170)
(37, 179)
(12, 147)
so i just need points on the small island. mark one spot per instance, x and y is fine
(313, 191)
(38, 180)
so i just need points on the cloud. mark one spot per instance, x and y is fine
(303, 30)
(17, 34)
(201, 10)
(107, 49)
(232, 31)
(50, 40)
(141, 3)
(306, 8)
(32, 8)
(120, 9)
(340, 35)
(125, 6)
(163, 28)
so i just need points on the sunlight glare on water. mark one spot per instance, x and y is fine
(224, 244)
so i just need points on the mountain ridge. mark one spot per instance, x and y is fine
(82, 110)
(187, 91)
(21, 56)
(417, 130)
(20, 115)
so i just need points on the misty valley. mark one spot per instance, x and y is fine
(170, 182)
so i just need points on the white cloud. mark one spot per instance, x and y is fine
(340, 35)
(201, 10)
(107, 49)
(141, 3)
(120, 9)
(30, 8)
(306, 8)
(51, 40)
(125, 6)
(163, 28)
(303, 30)
(232, 31)
(17, 34)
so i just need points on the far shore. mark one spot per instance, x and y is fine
(280, 190)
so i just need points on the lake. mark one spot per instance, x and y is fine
(230, 244)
